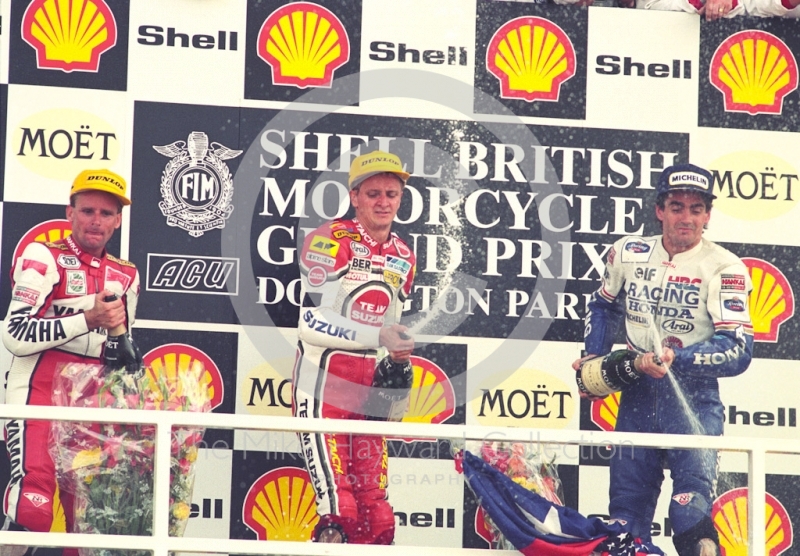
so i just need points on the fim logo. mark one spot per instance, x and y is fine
(754, 71)
(280, 506)
(729, 514)
(196, 185)
(304, 44)
(69, 35)
(771, 301)
(192, 274)
(531, 57)
(170, 359)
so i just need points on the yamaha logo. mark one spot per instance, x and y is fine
(196, 185)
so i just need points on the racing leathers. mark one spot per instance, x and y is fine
(352, 285)
(697, 304)
(53, 284)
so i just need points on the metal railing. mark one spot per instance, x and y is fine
(160, 543)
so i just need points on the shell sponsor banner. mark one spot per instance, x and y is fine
(23, 223)
(215, 351)
(782, 511)
(427, 499)
(183, 55)
(437, 387)
(532, 59)
(51, 139)
(749, 74)
(294, 47)
(655, 61)
(211, 497)
(73, 43)
(272, 497)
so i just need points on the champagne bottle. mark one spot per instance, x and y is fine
(606, 374)
(391, 387)
(119, 350)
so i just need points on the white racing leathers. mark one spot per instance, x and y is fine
(352, 286)
(697, 304)
(53, 284)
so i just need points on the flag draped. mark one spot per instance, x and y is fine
(536, 526)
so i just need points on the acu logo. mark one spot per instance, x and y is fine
(196, 185)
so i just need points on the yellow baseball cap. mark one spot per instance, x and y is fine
(101, 180)
(376, 162)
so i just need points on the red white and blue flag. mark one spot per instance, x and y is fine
(536, 526)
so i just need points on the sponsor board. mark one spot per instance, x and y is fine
(749, 74)
(53, 44)
(192, 274)
(180, 48)
(215, 353)
(531, 59)
(187, 195)
(301, 46)
(210, 509)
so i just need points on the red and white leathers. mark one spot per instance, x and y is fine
(352, 286)
(53, 283)
(772, 8)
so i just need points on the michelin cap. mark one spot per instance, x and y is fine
(686, 177)
(101, 180)
(376, 162)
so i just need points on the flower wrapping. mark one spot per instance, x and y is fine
(109, 467)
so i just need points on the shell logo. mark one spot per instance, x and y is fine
(771, 301)
(304, 44)
(432, 398)
(605, 411)
(69, 35)
(729, 514)
(169, 359)
(281, 506)
(481, 527)
(49, 230)
(754, 71)
(531, 57)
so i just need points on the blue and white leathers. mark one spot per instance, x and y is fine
(697, 304)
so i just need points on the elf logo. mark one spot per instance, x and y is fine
(608, 64)
(442, 518)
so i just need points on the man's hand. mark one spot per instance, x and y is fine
(104, 314)
(397, 341)
(649, 366)
(716, 9)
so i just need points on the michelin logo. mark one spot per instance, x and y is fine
(688, 178)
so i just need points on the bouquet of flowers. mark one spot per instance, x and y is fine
(109, 467)
(526, 467)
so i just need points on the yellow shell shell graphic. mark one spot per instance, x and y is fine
(70, 30)
(754, 70)
(605, 411)
(767, 300)
(531, 57)
(731, 523)
(175, 367)
(428, 397)
(286, 509)
(304, 43)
